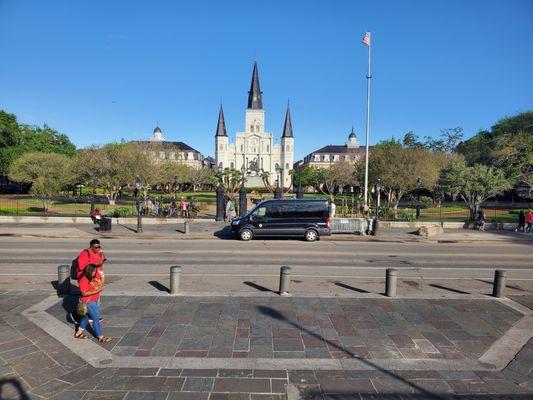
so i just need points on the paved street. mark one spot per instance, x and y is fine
(229, 335)
(330, 267)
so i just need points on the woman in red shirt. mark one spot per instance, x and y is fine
(90, 288)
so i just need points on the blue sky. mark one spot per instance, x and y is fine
(101, 71)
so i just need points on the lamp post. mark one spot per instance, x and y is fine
(242, 193)
(93, 198)
(138, 185)
(277, 191)
(220, 196)
(377, 190)
(299, 191)
(418, 184)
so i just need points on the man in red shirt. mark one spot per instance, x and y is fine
(529, 221)
(94, 254)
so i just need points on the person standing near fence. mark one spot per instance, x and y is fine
(521, 222)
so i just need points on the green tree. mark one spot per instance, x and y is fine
(17, 139)
(446, 142)
(122, 164)
(171, 176)
(474, 184)
(48, 174)
(508, 146)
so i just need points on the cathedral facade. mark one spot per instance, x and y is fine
(254, 148)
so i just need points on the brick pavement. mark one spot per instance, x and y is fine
(274, 327)
(40, 366)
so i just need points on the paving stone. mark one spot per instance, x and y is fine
(229, 396)
(288, 345)
(146, 396)
(259, 396)
(302, 377)
(269, 373)
(200, 372)
(69, 395)
(347, 386)
(392, 385)
(193, 384)
(188, 396)
(236, 373)
(247, 385)
(51, 388)
(105, 395)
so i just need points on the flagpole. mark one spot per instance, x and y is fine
(368, 77)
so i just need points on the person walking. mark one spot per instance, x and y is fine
(93, 255)
(521, 222)
(529, 221)
(229, 210)
(90, 288)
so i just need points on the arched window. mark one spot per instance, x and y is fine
(286, 165)
(268, 148)
(251, 128)
(232, 165)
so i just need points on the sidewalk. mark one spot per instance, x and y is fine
(268, 348)
(208, 229)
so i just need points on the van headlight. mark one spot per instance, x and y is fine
(236, 222)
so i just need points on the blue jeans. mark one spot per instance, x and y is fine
(93, 311)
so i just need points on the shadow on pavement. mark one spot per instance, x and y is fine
(448, 289)
(159, 286)
(12, 389)
(258, 287)
(349, 287)
(224, 233)
(274, 314)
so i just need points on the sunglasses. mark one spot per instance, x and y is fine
(97, 247)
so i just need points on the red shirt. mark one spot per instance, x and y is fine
(86, 285)
(529, 217)
(87, 257)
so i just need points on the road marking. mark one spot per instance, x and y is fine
(277, 275)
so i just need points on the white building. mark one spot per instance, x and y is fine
(255, 148)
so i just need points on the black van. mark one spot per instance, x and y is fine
(308, 219)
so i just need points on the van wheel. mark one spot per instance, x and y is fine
(311, 235)
(246, 234)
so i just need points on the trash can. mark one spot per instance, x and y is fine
(105, 223)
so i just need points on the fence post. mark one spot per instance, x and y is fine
(63, 279)
(175, 275)
(284, 280)
(390, 282)
(186, 227)
(500, 278)
(17, 204)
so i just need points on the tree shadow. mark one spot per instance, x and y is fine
(275, 314)
(349, 287)
(258, 287)
(16, 388)
(159, 286)
(448, 289)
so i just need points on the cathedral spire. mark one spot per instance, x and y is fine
(287, 128)
(221, 126)
(255, 96)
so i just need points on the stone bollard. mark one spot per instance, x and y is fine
(63, 279)
(175, 275)
(186, 227)
(390, 282)
(284, 280)
(500, 276)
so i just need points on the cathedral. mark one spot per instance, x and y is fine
(254, 148)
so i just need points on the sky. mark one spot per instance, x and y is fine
(101, 71)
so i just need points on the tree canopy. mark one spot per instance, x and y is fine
(507, 145)
(17, 139)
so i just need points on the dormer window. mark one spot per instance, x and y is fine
(336, 158)
(326, 157)
(317, 157)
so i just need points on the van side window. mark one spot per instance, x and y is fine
(259, 213)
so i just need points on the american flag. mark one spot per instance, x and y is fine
(366, 39)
